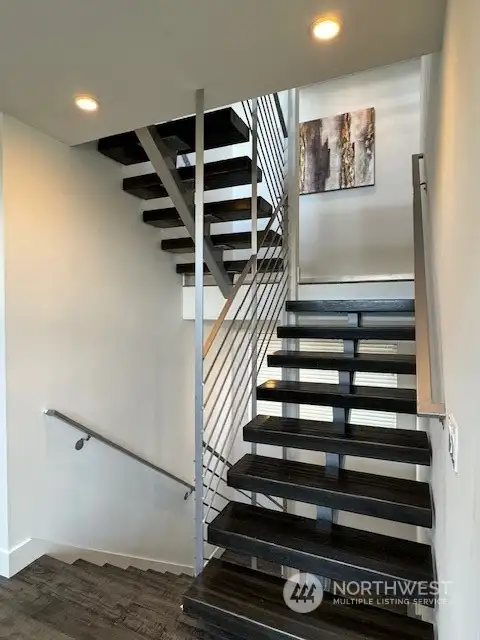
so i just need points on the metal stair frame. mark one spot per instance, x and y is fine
(162, 156)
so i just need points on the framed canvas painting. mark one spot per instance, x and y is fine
(338, 152)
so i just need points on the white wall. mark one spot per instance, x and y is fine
(367, 231)
(94, 329)
(454, 190)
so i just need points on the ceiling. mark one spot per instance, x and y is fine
(143, 59)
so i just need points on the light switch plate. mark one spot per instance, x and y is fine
(453, 441)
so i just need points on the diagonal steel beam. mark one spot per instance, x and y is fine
(162, 159)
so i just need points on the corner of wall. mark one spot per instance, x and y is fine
(16, 559)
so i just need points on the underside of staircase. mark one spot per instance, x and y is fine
(223, 128)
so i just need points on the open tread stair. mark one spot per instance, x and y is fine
(397, 445)
(223, 211)
(250, 604)
(233, 266)
(233, 172)
(369, 494)
(322, 548)
(334, 395)
(390, 305)
(375, 363)
(223, 128)
(319, 332)
(226, 241)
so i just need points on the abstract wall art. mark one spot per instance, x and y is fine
(338, 152)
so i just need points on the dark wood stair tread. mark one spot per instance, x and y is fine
(221, 174)
(223, 128)
(224, 211)
(227, 241)
(398, 445)
(347, 333)
(250, 604)
(357, 397)
(374, 495)
(233, 266)
(375, 363)
(351, 306)
(333, 551)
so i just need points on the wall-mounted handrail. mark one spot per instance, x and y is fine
(427, 405)
(96, 436)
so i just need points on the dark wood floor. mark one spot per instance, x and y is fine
(51, 600)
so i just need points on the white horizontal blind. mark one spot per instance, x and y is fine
(313, 412)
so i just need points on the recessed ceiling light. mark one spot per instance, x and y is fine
(326, 28)
(86, 103)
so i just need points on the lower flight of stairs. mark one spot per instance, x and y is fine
(51, 600)
(248, 603)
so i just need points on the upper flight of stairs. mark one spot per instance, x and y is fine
(220, 174)
(222, 211)
(248, 603)
(223, 128)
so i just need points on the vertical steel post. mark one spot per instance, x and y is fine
(254, 264)
(293, 190)
(254, 294)
(291, 230)
(199, 408)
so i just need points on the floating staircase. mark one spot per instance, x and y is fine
(248, 603)
(236, 602)
(223, 128)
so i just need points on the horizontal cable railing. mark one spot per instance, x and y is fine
(237, 344)
(430, 401)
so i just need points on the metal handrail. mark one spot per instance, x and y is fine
(96, 436)
(427, 406)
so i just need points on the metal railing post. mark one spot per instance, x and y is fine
(199, 301)
(291, 232)
(254, 347)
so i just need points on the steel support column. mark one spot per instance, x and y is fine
(254, 293)
(199, 235)
(163, 161)
(333, 461)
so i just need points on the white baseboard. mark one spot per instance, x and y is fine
(69, 554)
(17, 558)
(20, 556)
